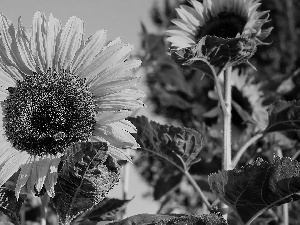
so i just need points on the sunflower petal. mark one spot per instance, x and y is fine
(118, 72)
(38, 39)
(93, 46)
(126, 99)
(23, 177)
(112, 116)
(112, 86)
(33, 176)
(42, 171)
(106, 59)
(118, 154)
(12, 166)
(52, 176)
(54, 28)
(24, 49)
(117, 134)
(69, 43)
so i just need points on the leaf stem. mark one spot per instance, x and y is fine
(45, 201)
(197, 188)
(238, 156)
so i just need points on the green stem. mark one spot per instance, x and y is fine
(285, 208)
(197, 188)
(45, 201)
(227, 120)
(237, 157)
(219, 92)
(227, 127)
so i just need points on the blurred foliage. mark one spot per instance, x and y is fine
(187, 98)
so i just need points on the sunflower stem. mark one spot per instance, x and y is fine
(285, 207)
(125, 183)
(197, 188)
(227, 127)
(219, 92)
(45, 201)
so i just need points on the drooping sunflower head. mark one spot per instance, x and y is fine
(220, 18)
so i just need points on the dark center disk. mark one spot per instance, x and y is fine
(47, 112)
(226, 25)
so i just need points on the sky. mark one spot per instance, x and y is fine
(121, 18)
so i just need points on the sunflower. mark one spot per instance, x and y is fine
(221, 32)
(57, 89)
(220, 18)
(251, 92)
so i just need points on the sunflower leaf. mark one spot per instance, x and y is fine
(86, 175)
(179, 146)
(258, 186)
(173, 219)
(104, 210)
(212, 54)
(172, 177)
(283, 116)
(9, 204)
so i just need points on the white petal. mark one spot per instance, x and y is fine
(6, 80)
(54, 28)
(92, 47)
(111, 116)
(23, 177)
(185, 26)
(116, 135)
(118, 154)
(114, 42)
(113, 86)
(189, 15)
(33, 176)
(11, 71)
(42, 171)
(29, 64)
(180, 41)
(12, 166)
(105, 60)
(70, 41)
(126, 99)
(52, 176)
(7, 152)
(118, 72)
(195, 18)
(38, 39)
(198, 6)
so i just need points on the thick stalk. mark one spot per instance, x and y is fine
(227, 127)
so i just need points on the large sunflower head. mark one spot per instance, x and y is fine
(220, 32)
(220, 18)
(57, 89)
